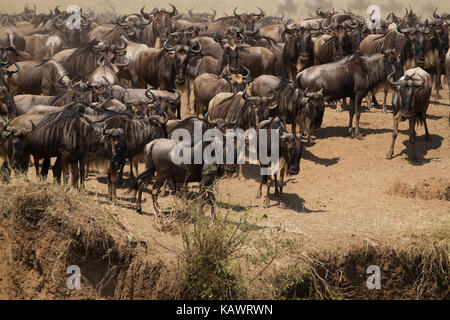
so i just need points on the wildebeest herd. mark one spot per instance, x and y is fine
(109, 90)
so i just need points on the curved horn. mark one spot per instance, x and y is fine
(177, 99)
(16, 70)
(247, 73)
(166, 47)
(388, 79)
(146, 15)
(150, 95)
(199, 48)
(125, 44)
(174, 11)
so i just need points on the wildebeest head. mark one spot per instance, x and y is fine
(16, 139)
(237, 78)
(162, 19)
(132, 25)
(406, 88)
(261, 106)
(316, 107)
(303, 45)
(418, 35)
(291, 148)
(161, 105)
(230, 54)
(392, 62)
(342, 41)
(182, 53)
(249, 20)
(118, 54)
(115, 138)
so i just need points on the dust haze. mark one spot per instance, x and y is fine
(293, 8)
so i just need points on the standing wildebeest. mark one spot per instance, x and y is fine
(391, 40)
(208, 85)
(426, 51)
(159, 160)
(290, 153)
(166, 67)
(81, 62)
(298, 53)
(161, 21)
(138, 132)
(295, 106)
(47, 77)
(71, 137)
(411, 99)
(258, 60)
(248, 20)
(352, 77)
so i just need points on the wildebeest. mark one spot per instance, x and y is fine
(106, 73)
(138, 132)
(47, 77)
(298, 53)
(159, 160)
(164, 68)
(410, 101)
(392, 40)
(290, 153)
(292, 104)
(249, 20)
(11, 36)
(208, 85)
(258, 60)
(352, 77)
(161, 21)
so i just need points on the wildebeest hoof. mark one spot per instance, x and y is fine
(282, 205)
(389, 156)
(258, 196)
(139, 210)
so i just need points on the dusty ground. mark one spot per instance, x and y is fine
(339, 199)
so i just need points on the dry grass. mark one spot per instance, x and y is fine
(428, 189)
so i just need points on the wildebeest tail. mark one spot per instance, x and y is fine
(142, 178)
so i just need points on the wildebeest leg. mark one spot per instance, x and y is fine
(75, 173)
(136, 167)
(57, 170)
(82, 173)
(188, 93)
(357, 103)
(266, 197)
(36, 165)
(412, 138)
(384, 102)
(374, 100)
(394, 136)
(155, 192)
(277, 191)
(45, 167)
(427, 134)
(120, 175)
(263, 181)
(438, 84)
(351, 113)
(112, 180)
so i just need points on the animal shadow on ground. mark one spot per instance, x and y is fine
(339, 131)
(307, 155)
(291, 201)
(422, 148)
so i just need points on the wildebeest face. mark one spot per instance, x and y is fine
(342, 42)
(316, 109)
(393, 63)
(231, 55)
(181, 62)
(293, 147)
(116, 139)
(418, 40)
(406, 96)
(237, 82)
(303, 45)
(17, 146)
